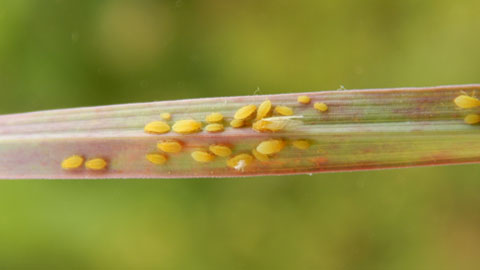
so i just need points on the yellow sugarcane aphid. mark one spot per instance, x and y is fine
(72, 162)
(96, 164)
(466, 102)
(268, 126)
(259, 155)
(301, 144)
(214, 118)
(303, 99)
(274, 124)
(320, 106)
(170, 146)
(245, 112)
(166, 116)
(220, 150)
(472, 119)
(284, 110)
(187, 126)
(214, 127)
(270, 147)
(155, 158)
(264, 109)
(237, 123)
(157, 127)
(202, 156)
(239, 162)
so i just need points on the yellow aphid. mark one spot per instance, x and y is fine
(237, 123)
(72, 162)
(270, 147)
(158, 159)
(274, 124)
(303, 99)
(214, 127)
(187, 126)
(96, 164)
(264, 109)
(220, 150)
(239, 162)
(214, 117)
(472, 119)
(245, 112)
(259, 155)
(157, 127)
(284, 110)
(301, 144)
(320, 106)
(170, 146)
(466, 102)
(166, 116)
(268, 126)
(202, 156)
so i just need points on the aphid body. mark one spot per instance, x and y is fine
(245, 112)
(271, 146)
(96, 164)
(320, 106)
(157, 127)
(187, 126)
(72, 162)
(202, 156)
(466, 102)
(264, 109)
(303, 99)
(155, 158)
(284, 110)
(170, 146)
(214, 118)
(220, 150)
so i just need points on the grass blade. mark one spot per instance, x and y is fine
(326, 131)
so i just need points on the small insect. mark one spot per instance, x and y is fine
(303, 99)
(157, 127)
(187, 126)
(220, 150)
(245, 112)
(240, 161)
(472, 119)
(72, 162)
(259, 155)
(278, 123)
(214, 117)
(301, 144)
(214, 127)
(96, 164)
(320, 106)
(466, 102)
(166, 116)
(237, 123)
(271, 146)
(202, 156)
(284, 110)
(264, 109)
(170, 146)
(155, 158)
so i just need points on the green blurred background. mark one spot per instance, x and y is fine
(60, 53)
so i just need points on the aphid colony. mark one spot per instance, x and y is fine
(260, 119)
(468, 102)
(262, 122)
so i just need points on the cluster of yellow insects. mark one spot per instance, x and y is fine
(259, 119)
(262, 122)
(468, 102)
